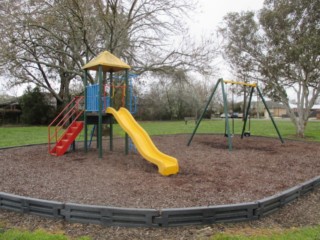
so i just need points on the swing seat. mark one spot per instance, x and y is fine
(247, 134)
(226, 135)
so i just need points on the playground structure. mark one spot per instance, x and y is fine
(107, 214)
(97, 108)
(252, 86)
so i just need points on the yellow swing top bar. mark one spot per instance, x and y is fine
(240, 83)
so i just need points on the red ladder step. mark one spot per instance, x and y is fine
(67, 138)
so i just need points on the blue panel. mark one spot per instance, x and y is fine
(92, 98)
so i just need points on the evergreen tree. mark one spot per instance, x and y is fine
(35, 108)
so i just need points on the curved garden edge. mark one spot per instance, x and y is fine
(135, 217)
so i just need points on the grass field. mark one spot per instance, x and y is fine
(16, 136)
(14, 234)
(305, 233)
(258, 128)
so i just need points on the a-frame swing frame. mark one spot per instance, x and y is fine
(225, 104)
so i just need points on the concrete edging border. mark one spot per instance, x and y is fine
(136, 217)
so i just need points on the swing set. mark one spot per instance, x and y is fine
(252, 86)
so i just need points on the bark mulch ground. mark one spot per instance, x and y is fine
(209, 175)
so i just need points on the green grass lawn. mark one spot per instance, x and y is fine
(305, 233)
(16, 136)
(15, 234)
(258, 127)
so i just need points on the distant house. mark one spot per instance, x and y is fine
(257, 109)
(276, 109)
(315, 110)
(279, 110)
(10, 110)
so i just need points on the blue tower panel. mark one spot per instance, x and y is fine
(93, 99)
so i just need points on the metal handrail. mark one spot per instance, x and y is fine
(71, 111)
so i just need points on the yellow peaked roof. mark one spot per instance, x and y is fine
(108, 61)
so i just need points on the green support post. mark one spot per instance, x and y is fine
(273, 122)
(73, 145)
(126, 105)
(204, 111)
(85, 81)
(111, 117)
(100, 112)
(247, 113)
(226, 115)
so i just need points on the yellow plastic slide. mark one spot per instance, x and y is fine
(167, 165)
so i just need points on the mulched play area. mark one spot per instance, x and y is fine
(209, 174)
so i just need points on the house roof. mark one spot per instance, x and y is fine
(314, 107)
(8, 100)
(270, 104)
(108, 61)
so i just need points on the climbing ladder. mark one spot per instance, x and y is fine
(65, 128)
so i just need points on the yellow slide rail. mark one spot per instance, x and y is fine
(167, 165)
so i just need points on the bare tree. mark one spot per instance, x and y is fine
(184, 96)
(47, 42)
(42, 46)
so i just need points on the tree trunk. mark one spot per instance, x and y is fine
(300, 127)
(64, 93)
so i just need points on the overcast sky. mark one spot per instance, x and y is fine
(212, 12)
(210, 16)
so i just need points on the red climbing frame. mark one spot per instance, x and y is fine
(64, 129)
